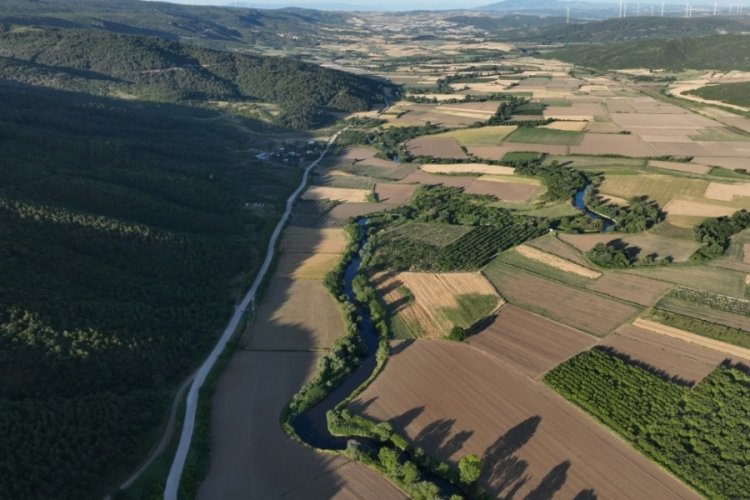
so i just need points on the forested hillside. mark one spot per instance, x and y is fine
(720, 52)
(638, 28)
(203, 25)
(163, 70)
(126, 231)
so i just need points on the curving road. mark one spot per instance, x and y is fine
(175, 472)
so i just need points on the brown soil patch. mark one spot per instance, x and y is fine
(629, 287)
(313, 240)
(673, 355)
(580, 309)
(443, 147)
(347, 210)
(697, 208)
(365, 156)
(394, 193)
(451, 399)
(727, 192)
(305, 266)
(433, 296)
(722, 347)
(295, 315)
(530, 342)
(603, 144)
(251, 457)
(557, 262)
(746, 253)
(334, 193)
(572, 126)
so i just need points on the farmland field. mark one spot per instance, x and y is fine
(481, 136)
(649, 243)
(552, 244)
(545, 136)
(660, 188)
(667, 421)
(245, 430)
(506, 188)
(452, 399)
(516, 259)
(637, 289)
(530, 342)
(577, 308)
(467, 168)
(711, 279)
(557, 262)
(335, 193)
(434, 234)
(436, 147)
(295, 315)
(432, 304)
(677, 357)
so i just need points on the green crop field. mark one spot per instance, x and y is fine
(515, 259)
(534, 135)
(471, 308)
(699, 434)
(437, 235)
(712, 279)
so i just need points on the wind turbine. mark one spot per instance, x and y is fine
(638, 8)
(662, 8)
(567, 15)
(620, 9)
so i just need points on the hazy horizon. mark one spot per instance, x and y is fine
(395, 5)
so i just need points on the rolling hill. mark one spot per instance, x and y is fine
(720, 52)
(155, 69)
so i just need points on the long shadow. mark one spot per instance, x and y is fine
(551, 483)
(587, 494)
(662, 374)
(506, 473)
(437, 437)
(403, 420)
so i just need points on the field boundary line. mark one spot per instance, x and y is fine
(178, 464)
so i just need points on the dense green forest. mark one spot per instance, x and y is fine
(155, 69)
(699, 433)
(216, 27)
(127, 230)
(719, 52)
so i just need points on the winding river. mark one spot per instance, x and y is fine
(579, 201)
(312, 426)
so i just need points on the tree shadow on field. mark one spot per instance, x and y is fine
(505, 473)
(406, 418)
(437, 437)
(359, 407)
(587, 494)
(551, 483)
(399, 347)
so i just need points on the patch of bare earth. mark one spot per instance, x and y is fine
(629, 287)
(530, 342)
(452, 400)
(251, 457)
(740, 353)
(674, 356)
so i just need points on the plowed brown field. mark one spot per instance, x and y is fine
(632, 288)
(250, 455)
(451, 399)
(675, 356)
(530, 342)
(580, 309)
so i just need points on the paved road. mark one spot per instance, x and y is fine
(175, 472)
